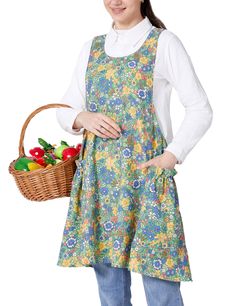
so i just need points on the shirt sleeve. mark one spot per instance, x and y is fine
(180, 73)
(74, 95)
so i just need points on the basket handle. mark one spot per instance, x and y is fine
(38, 110)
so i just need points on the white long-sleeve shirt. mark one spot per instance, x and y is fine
(173, 68)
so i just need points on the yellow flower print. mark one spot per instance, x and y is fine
(115, 210)
(150, 42)
(161, 237)
(144, 60)
(138, 76)
(186, 269)
(126, 239)
(170, 225)
(162, 197)
(109, 163)
(139, 125)
(132, 111)
(66, 262)
(125, 202)
(98, 155)
(154, 144)
(101, 246)
(84, 225)
(137, 148)
(126, 90)
(122, 180)
(85, 261)
(133, 167)
(133, 264)
(96, 54)
(121, 260)
(110, 73)
(181, 252)
(149, 82)
(68, 224)
(170, 262)
(100, 68)
(90, 136)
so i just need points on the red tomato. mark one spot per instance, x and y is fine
(37, 152)
(69, 152)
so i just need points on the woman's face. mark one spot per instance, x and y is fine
(123, 11)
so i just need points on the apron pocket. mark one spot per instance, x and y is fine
(157, 178)
(158, 171)
(169, 172)
(163, 201)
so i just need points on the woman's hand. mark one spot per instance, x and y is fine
(166, 160)
(97, 123)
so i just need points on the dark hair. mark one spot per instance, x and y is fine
(146, 10)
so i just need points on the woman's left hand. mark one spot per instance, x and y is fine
(166, 160)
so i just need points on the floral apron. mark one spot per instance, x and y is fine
(117, 213)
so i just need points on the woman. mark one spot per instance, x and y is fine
(124, 212)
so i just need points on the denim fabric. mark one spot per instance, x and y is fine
(114, 285)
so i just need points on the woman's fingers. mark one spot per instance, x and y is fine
(112, 125)
(99, 124)
(151, 162)
(107, 126)
(98, 133)
(104, 131)
(145, 164)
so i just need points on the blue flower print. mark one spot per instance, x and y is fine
(93, 107)
(157, 264)
(142, 93)
(71, 242)
(136, 184)
(126, 153)
(108, 226)
(116, 245)
(132, 64)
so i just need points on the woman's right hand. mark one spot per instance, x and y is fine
(97, 123)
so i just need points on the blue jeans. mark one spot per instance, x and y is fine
(114, 286)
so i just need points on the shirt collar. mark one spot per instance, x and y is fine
(131, 35)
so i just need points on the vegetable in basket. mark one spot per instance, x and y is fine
(46, 146)
(26, 164)
(69, 152)
(65, 151)
(37, 152)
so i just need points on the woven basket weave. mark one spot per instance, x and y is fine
(47, 183)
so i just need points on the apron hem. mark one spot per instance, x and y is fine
(90, 264)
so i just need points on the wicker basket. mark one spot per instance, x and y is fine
(47, 183)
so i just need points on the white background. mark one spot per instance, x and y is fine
(40, 42)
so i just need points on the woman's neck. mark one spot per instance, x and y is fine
(128, 25)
